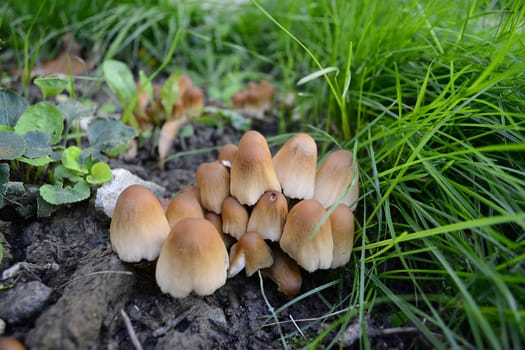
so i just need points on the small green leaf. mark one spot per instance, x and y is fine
(70, 159)
(38, 162)
(59, 194)
(100, 172)
(51, 86)
(37, 144)
(169, 94)
(186, 131)
(62, 173)
(108, 134)
(317, 74)
(12, 145)
(120, 80)
(42, 116)
(11, 108)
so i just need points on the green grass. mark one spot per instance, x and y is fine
(432, 97)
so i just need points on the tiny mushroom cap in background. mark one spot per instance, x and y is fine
(310, 253)
(184, 205)
(342, 223)
(284, 272)
(268, 215)
(295, 164)
(252, 173)
(213, 182)
(138, 227)
(234, 217)
(193, 258)
(250, 252)
(334, 176)
(227, 153)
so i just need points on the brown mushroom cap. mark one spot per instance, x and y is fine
(284, 272)
(310, 253)
(216, 220)
(234, 217)
(342, 222)
(268, 215)
(252, 173)
(334, 176)
(213, 182)
(255, 136)
(10, 343)
(295, 165)
(193, 258)
(227, 153)
(251, 253)
(184, 205)
(138, 227)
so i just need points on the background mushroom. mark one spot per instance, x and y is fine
(251, 253)
(284, 272)
(138, 226)
(234, 217)
(184, 205)
(213, 182)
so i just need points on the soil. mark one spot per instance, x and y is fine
(72, 291)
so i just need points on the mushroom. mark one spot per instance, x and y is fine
(193, 258)
(216, 220)
(251, 253)
(213, 182)
(342, 223)
(295, 165)
(138, 226)
(184, 205)
(309, 252)
(252, 171)
(284, 272)
(226, 154)
(268, 215)
(234, 217)
(254, 135)
(10, 343)
(334, 177)
(193, 100)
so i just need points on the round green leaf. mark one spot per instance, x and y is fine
(44, 117)
(105, 135)
(50, 86)
(37, 144)
(11, 107)
(120, 80)
(58, 194)
(70, 159)
(100, 173)
(12, 145)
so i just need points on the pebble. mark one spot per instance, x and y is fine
(23, 301)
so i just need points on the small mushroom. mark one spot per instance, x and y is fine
(234, 217)
(10, 343)
(138, 226)
(252, 171)
(268, 215)
(193, 100)
(333, 178)
(193, 258)
(216, 220)
(226, 154)
(342, 223)
(250, 253)
(213, 182)
(184, 205)
(311, 253)
(295, 165)
(284, 272)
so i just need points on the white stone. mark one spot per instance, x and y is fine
(108, 193)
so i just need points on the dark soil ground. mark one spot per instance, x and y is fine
(72, 290)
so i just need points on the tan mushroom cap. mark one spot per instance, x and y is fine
(226, 154)
(310, 253)
(213, 182)
(268, 215)
(184, 205)
(234, 217)
(284, 272)
(216, 220)
(193, 258)
(334, 176)
(10, 343)
(342, 222)
(295, 164)
(251, 253)
(138, 227)
(252, 173)
(255, 136)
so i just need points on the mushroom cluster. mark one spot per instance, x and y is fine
(247, 210)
